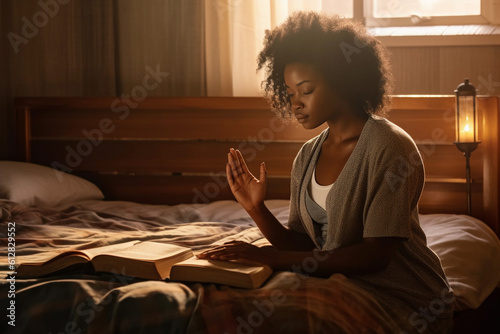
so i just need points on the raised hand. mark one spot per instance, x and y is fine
(247, 189)
(250, 192)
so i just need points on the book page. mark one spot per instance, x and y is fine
(221, 265)
(42, 258)
(59, 262)
(110, 249)
(148, 251)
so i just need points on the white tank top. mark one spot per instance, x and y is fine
(319, 192)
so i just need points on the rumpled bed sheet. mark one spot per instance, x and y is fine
(290, 302)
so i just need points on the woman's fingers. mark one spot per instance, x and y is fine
(237, 251)
(232, 164)
(229, 174)
(218, 254)
(236, 162)
(241, 162)
(263, 173)
(225, 251)
(238, 165)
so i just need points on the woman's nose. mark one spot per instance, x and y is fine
(297, 104)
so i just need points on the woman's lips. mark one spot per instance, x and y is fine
(301, 118)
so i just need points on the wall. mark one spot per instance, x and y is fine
(440, 69)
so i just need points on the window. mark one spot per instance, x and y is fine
(424, 12)
(407, 8)
(416, 12)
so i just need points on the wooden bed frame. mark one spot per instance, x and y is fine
(173, 150)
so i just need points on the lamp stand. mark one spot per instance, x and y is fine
(467, 149)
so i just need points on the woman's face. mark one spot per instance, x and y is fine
(312, 99)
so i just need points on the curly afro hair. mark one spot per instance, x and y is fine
(354, 63)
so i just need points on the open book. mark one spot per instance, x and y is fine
(150, 260)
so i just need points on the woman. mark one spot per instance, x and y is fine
(355, 187)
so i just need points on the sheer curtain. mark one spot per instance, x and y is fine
(234, 35)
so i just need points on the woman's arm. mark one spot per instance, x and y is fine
(279, 236)
(370, 256)
(250, 193)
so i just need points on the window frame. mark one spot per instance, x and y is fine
(362, 11)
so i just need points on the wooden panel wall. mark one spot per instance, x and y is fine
(440, 69)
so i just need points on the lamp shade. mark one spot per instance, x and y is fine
(466, 114)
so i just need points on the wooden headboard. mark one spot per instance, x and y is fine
(173, 150)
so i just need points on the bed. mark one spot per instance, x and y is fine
(99, 171)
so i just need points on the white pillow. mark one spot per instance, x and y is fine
(470, 255)
(40, 186)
